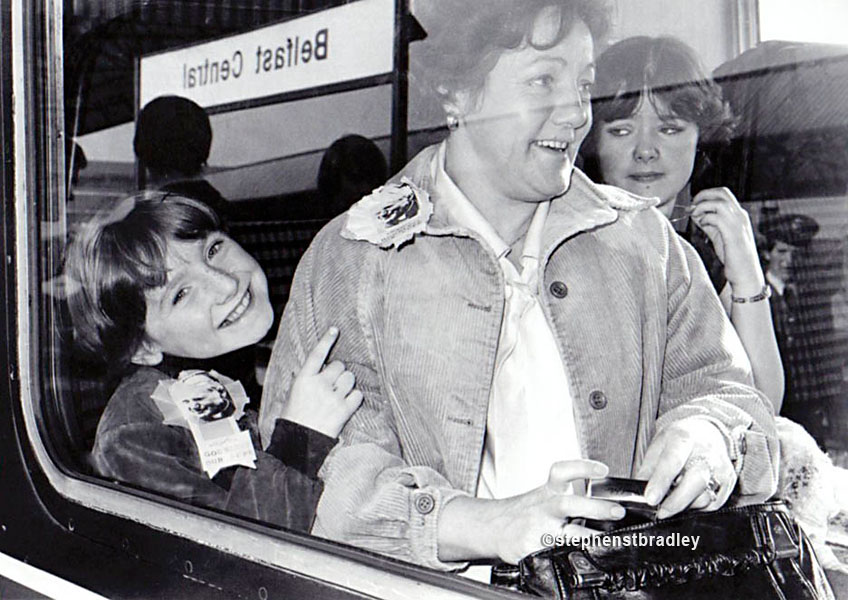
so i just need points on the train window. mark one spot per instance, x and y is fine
(230, 103)
(274, 161)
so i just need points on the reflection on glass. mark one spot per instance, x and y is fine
(787, 157)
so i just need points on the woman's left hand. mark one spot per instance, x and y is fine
(718, 213)
(688, 466)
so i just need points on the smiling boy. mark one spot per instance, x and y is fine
(161, 288)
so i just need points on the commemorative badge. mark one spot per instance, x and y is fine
(389, 216)
(209, 405)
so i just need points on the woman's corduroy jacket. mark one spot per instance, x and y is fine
(641, 332)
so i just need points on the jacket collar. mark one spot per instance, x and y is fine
(584, 207)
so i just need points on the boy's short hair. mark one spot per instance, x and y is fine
(355, 158)
(115, 258)
(794, 229)
(173, 133)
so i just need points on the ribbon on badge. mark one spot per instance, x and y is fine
(209, 405)
(389, 216)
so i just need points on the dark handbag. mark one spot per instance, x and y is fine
(754, 551)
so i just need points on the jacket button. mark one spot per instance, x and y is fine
(559, 289)
(425, 504)
(598, 400)
(743, 446)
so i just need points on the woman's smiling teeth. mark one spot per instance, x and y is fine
(238, 311)
(552, 145)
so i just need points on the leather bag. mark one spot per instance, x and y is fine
(754, 551)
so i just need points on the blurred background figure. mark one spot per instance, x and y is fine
(803, 324)
(351, 168)
(173, 137)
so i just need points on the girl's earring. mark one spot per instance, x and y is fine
(453, 122)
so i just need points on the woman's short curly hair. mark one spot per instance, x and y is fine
(666, 72)
(465, 40)
(115, 258)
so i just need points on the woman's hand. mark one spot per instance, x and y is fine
(681, 465)
(322, 397)
(511, 528)
(717, 212)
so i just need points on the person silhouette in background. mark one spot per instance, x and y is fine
(173, 137)
(803, 324)
(351, 168)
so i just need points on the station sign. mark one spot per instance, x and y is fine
(349, 42)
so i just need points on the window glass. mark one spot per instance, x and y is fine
(263, 160)
(819, 21)
(281, 167)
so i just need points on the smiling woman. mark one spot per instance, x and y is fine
(482, 329)
(516, 140)
(579, 313)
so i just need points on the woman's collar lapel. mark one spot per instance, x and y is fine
(409, 204)
(587, 206)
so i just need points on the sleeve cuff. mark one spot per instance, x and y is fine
(734, 440)
(427, 506)
(300, 447)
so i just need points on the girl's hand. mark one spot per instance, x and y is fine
(717, 212)
(322, 397)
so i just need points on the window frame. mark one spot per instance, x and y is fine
(39, 177)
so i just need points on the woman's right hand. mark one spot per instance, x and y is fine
(322, 396)
(718, 213)
(511, 528)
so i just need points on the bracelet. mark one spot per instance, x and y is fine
(764, 294)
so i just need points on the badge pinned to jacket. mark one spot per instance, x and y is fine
(209, 405)
(389, 216)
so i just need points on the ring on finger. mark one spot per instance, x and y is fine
(713, 486)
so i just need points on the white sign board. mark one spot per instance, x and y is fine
(340, 44)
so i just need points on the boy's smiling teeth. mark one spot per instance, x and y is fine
(552, 145)
(238, 311)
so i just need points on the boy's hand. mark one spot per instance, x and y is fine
(322, 397)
